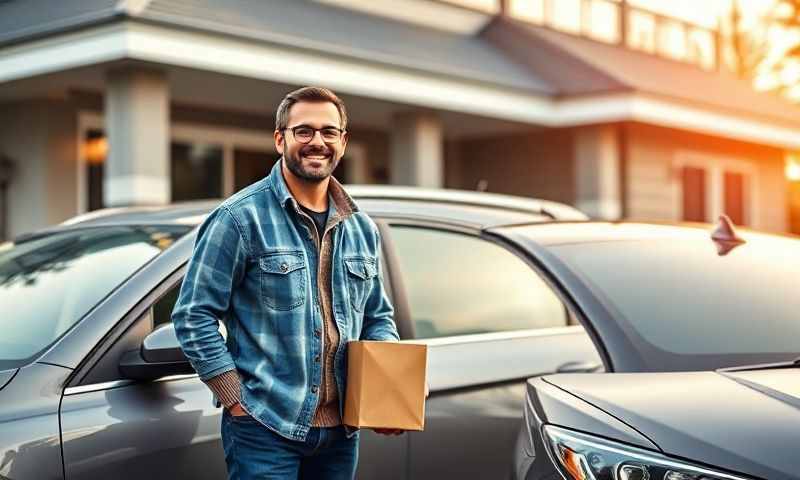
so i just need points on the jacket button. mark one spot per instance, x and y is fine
(317, 333)
(314, 389)
(284, 268)
(316, 359)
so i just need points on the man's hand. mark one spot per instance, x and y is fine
(388, 431)
(237, 411)
(394, 431)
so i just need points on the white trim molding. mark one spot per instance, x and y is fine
(438, 15)
(295, 66)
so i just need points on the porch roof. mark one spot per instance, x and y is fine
(508, 70)
(574, 65)
(296, 24)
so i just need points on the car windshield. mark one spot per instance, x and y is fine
(49, 282)
(678, 296)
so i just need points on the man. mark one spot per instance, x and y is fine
(292, 267)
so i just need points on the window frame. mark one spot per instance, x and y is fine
(715, 167)
(142, 312)
(401, 292)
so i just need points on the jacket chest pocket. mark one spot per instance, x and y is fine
(361, 273)
(283, 279)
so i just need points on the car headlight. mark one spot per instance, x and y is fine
(584, 457)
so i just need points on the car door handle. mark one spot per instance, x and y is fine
(579, 367)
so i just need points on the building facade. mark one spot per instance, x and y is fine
(108, 103)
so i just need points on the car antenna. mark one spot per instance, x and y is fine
(725, 236)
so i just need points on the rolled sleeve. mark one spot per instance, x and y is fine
(212, 368)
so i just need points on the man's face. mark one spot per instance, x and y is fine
(316, 160)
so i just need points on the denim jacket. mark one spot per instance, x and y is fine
(255, 267)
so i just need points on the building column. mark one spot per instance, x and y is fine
(597, 171)
(417, 151)
(137, 127)
(356, 164)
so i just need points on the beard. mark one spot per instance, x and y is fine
(294, 162)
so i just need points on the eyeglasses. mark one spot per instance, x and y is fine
(304, 133)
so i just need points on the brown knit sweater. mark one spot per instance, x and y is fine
(226, 385)
(327, 414)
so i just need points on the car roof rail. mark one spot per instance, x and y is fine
(554, 210)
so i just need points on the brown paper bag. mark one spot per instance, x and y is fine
(385, 385)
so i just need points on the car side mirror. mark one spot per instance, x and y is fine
(159, 356)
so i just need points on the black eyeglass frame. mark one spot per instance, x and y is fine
(292, 129)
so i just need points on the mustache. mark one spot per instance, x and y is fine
(315, 150)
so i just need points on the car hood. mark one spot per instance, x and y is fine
(6, 376)
(746, 422)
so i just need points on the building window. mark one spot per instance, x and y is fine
(251, 166)
(603, 21)
(196, 171)
(647, 28)
(528, 10)
(642, 31)
(694, 194)
(734, 191)
(565, 15)
(711, 186)
(671, 37)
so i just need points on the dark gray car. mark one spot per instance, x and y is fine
(92, 384)
(666, 299)
(734, 424)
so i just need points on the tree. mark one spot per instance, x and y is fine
(787, 67)
(747, 44)
(758, 49)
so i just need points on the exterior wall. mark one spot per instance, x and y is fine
(371, 143)
(652, 176)
(794, 207)
(40, 138)
(597, 171)
(538, 164)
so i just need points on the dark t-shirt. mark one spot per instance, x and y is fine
(320, 218)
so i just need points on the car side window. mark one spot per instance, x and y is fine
(162, 309)
(459, 284)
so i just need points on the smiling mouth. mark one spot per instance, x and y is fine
(317, 160)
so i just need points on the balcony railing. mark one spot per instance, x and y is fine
(615, 22)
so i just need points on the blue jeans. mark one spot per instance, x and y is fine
(252, 451)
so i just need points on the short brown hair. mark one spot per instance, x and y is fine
(308, 94)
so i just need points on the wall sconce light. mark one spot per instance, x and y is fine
(95, 150)
(793, 168)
